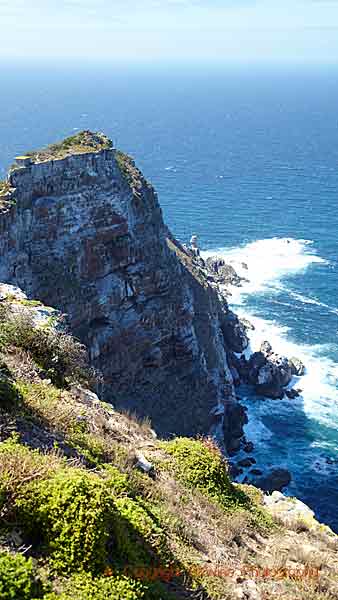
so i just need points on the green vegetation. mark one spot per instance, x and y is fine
(199, 464)
(127, 167)
(4, 187)
(78, 521)
(84, 587)
(83, 142)
(17, 580)
(70, 514)
(62, 357)
(6, 198)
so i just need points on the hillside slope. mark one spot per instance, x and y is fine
(94, 506)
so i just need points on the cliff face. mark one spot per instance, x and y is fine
(82, 230)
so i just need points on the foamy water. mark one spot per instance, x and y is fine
(267, 262)
(301, 434)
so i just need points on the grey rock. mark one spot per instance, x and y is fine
(145, 466)
(223, 273)
(266, 348)
(297, 367)
(277, 479)
(100, 252)
(292, 394)
(234, 333)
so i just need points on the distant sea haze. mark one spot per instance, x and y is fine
(247, 159)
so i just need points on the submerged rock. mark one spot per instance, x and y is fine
(255, 472)
(246, 462)
(292, 394)
(248, 447)
(277, 479)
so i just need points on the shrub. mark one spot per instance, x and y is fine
(70, 514)
(59, 354)
(19, 465)
(84, 587)
(17, 578)
(139, 538)
(201, 465)
(9, 394)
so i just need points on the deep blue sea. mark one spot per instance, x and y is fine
(246, 158)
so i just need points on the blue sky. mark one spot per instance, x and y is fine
(157, 30)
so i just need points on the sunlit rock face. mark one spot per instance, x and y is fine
(83, 232)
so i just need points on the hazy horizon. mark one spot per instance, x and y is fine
(161, 31)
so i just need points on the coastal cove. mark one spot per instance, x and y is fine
(247, 161)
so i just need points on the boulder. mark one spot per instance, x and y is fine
(249, 447)
(255, 472)
(246, 462)
(142, 464)
(269, 372)
(281, 363)
(297, 367)
(224, 273)
(233, 446)
(238, 363)
(292, 394)
(266, 348)
(255, 362)
(276, 479)
(234, 421)
(247, 324)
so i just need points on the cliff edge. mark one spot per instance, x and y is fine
(82, 230)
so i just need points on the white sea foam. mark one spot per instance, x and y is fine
(308, 300)
(318, 385)
(268, 261)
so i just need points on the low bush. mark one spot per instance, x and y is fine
(69, 516)
(200, 465)
(62, 357)
(17, 581)
(84, 587)
(139, 538)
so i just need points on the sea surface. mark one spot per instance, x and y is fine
(247, 159)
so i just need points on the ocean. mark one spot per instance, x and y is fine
(247, 159)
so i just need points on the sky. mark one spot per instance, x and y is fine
(298, 31)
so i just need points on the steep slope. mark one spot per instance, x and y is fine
(93, 506)
(82, 230)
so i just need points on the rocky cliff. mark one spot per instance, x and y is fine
(82, 230)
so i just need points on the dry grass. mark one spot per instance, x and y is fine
(18, 466)
(20, 364)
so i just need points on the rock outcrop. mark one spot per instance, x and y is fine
(82, 230)
(268, 372)
(224, 273)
